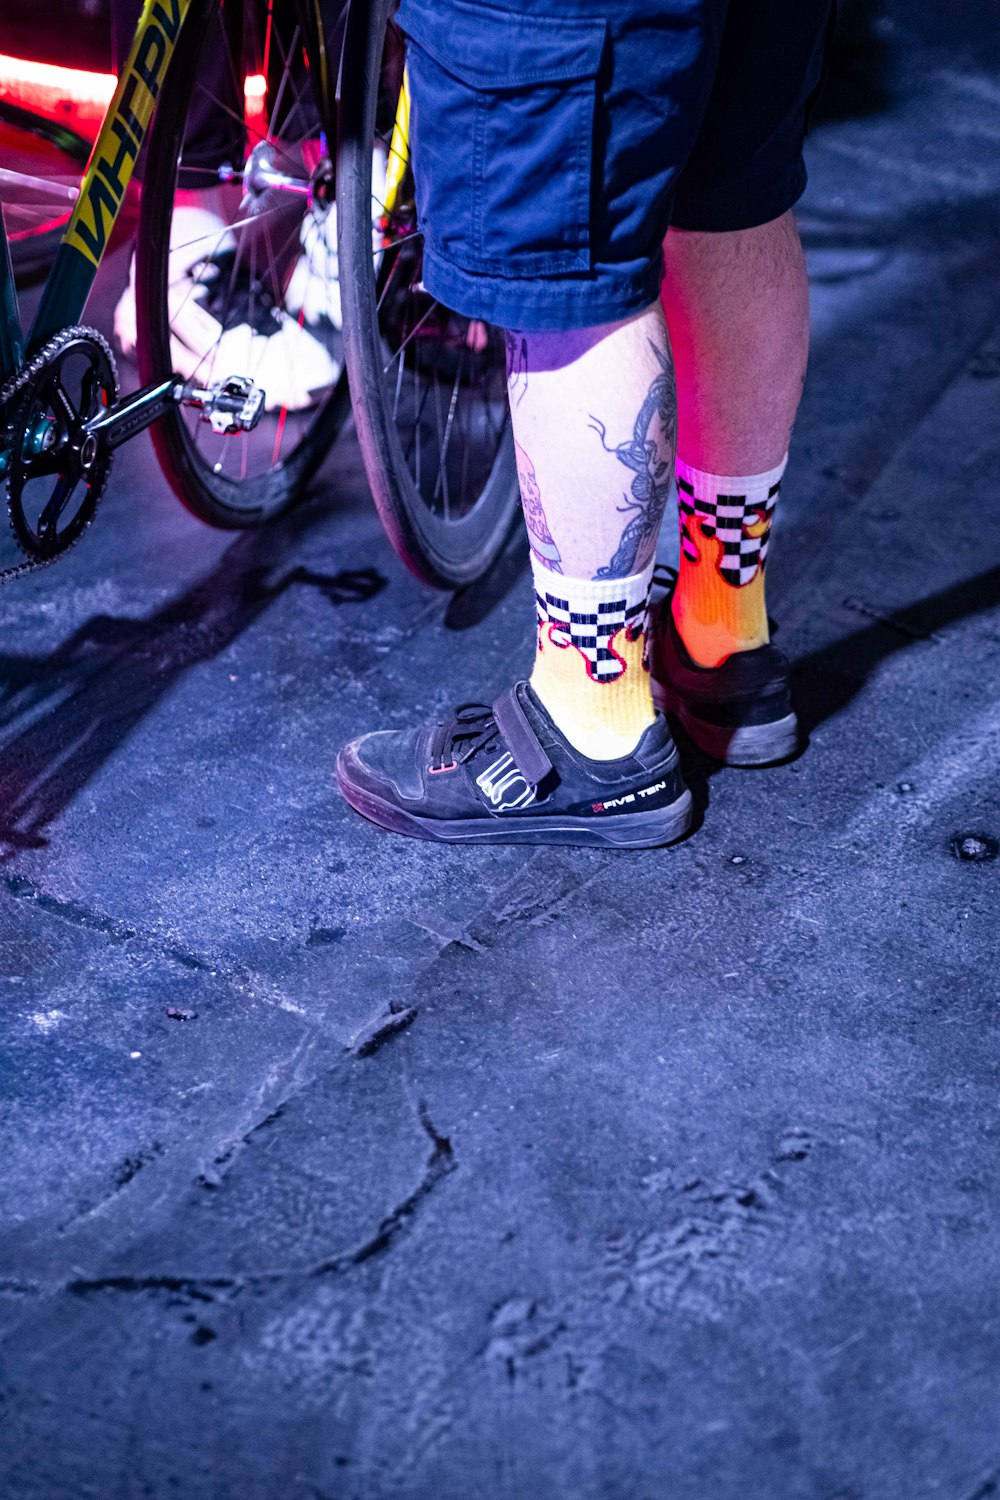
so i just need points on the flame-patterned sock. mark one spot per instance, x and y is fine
(591, 671)
(725, 521)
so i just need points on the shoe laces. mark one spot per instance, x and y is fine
(471, 727)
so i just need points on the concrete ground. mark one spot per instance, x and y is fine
(339, 1167)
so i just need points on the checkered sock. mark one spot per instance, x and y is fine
(590, 671)
(725, 521)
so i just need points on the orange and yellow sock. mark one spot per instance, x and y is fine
(591, 671)
(718, 604)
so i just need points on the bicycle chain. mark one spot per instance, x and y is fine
(20, 382)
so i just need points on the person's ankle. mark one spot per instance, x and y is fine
(710, 643)
(590, 670)
(594, 734)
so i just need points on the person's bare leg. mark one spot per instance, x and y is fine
(578, 755)
(738, 312)
(737, 306)
(594, 418)
(578, 401)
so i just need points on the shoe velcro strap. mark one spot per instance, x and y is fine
(520, 739)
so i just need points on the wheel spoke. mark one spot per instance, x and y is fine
(188, 171)
(271, 270)
(390, 277)
(417, 234)
(298, 110)
(268, 33)
(399, 385)
(286, 78)
(417, 417)
(255, 218)
(235, 81)
(199, 280)
(412, 334)
(386, 141)
(441, 483)
(449, 426)
(245, 123)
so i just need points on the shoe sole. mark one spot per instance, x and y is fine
(640, 830)
(744, 746)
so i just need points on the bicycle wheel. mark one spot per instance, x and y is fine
(50, 153)
(235, 269)
(428, 386)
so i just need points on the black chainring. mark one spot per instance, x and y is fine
(56, 470)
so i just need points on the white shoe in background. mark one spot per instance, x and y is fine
(277, 352)
(313, 291)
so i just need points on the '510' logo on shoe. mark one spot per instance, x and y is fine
(504, 785)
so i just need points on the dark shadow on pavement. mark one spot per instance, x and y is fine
(63, 715)
(827, 680)
(475, 603)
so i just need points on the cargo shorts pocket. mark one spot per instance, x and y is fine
(502, 131)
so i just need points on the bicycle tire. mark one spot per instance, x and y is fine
(442, 552)
(32, 251)
(216, 498)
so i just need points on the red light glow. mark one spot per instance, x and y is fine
(73, 94)
(255, 102)
(59, 93)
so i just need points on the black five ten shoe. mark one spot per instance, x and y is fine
(505, 774)
(740, 712)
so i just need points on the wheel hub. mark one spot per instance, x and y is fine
(261, 175)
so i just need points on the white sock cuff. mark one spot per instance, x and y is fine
(706, 486)
(586, 595)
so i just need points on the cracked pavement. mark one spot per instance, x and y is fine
(339, 1167)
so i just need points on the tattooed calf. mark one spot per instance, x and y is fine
(652, 463)
(539, 535)
(516, 346)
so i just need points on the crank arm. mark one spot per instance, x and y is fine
(123, 420)
(229, 406)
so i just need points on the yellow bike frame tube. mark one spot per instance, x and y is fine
(110, 168)
(399, 148)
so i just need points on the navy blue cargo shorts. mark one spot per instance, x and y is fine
(554, 146)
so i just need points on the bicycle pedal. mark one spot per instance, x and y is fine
(232, 405)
